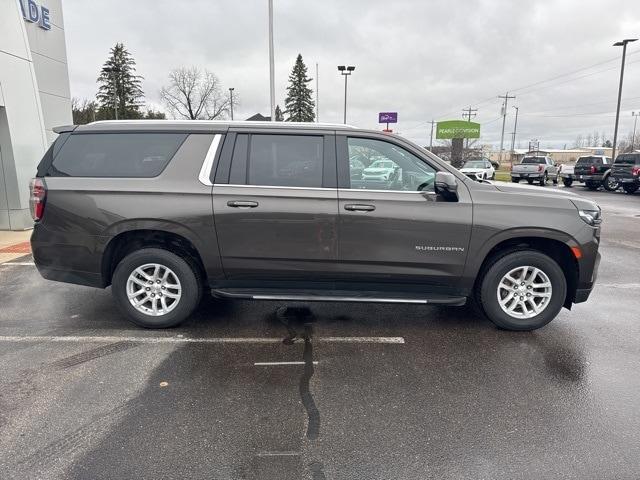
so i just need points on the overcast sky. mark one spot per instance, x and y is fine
(423, 59)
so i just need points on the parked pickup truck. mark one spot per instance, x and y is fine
(567, 173)
(165, 211)
(535, 169)
(626, 171)
(595, 171)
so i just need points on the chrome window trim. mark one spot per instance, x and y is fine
(271, 187)
(207, 164)
(384, 191)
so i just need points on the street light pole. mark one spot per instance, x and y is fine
(231, 101)
(622, 44)
(635, 121)
(346, 71)
(272, 71)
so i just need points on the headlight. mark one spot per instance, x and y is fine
(591, 217)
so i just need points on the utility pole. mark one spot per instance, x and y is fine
(513, 136)
(272, 68)
(432, 122)
(622, 44)
(504, 119)
(231, 101)
(469, 113)
(635, 121)
(317, 96)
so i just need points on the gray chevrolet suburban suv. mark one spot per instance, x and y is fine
(165, 210)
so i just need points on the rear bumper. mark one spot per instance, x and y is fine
(526, 175)
(589, 178)
(69, 258)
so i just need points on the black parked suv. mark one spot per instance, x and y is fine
(595, 171)
(626, 171)
(163, 211)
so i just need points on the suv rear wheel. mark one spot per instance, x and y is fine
(522, 290)
(156, 288)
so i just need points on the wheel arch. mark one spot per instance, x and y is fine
(128, 241)
(556, 245)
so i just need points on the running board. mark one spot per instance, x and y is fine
(338, 296)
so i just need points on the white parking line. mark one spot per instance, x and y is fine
(273, 364)
(155, 340)
(278, 454)
(24, 264)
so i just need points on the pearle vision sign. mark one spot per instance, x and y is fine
(457, 129)
(34, 13)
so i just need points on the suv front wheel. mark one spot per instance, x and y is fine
(156, 288)
(522, 290)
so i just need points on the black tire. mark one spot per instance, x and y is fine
(555, 181)
(530, 182)
(592, 185)
(567, 182)
(544, 180)
(487, 289)
(515, 180)
(630, 188)
(493, 176)
(187, 274)
(610, 184)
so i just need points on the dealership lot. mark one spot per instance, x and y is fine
(340, 391)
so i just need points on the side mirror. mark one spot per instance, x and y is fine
(447, 186)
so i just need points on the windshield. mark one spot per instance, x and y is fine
(474, 164)
(529, 160)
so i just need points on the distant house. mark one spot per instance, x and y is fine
(258, 117)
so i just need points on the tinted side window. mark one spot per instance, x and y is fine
(387, 167)
(285, 160)
(116, 154)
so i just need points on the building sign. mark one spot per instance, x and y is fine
(388, 117)
(457, 129)
(34, 13)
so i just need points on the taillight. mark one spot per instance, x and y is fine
(37, 198)
(540, 168)
(593, 169)
(635, 171)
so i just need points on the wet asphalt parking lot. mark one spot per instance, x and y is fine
(369, 391)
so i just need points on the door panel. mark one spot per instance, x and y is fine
(403, 235)
(277, 220)
(287, 233)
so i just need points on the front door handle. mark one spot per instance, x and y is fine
(242, 204)
(357, 207)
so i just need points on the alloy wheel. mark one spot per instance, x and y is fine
(154, 289)
(524, 292)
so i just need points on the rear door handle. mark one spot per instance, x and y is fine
(356, 207)
(242, 204)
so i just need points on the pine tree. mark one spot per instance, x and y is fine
(299, 104)
(118, 80)
(279, 114)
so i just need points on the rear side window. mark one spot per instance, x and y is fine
(116, 154)
(285, 160)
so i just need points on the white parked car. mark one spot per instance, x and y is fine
(479, 169)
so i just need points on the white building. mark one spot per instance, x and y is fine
(34, 98)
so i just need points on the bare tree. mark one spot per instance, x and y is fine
(195, 94)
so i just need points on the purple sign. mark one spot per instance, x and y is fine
(388, 117)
